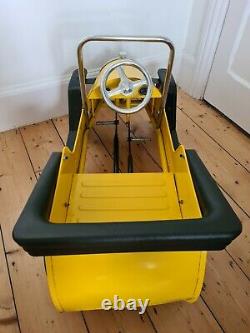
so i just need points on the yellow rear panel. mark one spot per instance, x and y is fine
(81, 282)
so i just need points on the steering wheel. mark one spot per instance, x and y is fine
(126, 87)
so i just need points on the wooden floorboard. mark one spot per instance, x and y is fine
(190, 317)
(40, 140)
(226, 291)
(8, 315)
(232, 177)
(226, 134)
(34, 309)
(116, 321)
(224, 305)
(240, 248)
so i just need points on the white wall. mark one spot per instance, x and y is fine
(39, 40)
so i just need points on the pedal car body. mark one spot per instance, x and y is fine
(135, 235)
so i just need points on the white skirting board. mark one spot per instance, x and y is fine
(27, 105)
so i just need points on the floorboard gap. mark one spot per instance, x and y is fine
(64, 143)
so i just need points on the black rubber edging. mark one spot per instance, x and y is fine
(214, 231)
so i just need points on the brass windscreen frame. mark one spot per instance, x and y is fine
(143, 39)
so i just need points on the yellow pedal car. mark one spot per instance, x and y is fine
(136, 235)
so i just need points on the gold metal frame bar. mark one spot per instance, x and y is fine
(143, 39)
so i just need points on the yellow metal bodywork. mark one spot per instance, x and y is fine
(81, 282)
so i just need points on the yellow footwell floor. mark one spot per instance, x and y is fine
(123, 197)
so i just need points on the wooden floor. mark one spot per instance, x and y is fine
(224, 305)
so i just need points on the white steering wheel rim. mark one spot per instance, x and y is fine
(105, 92)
